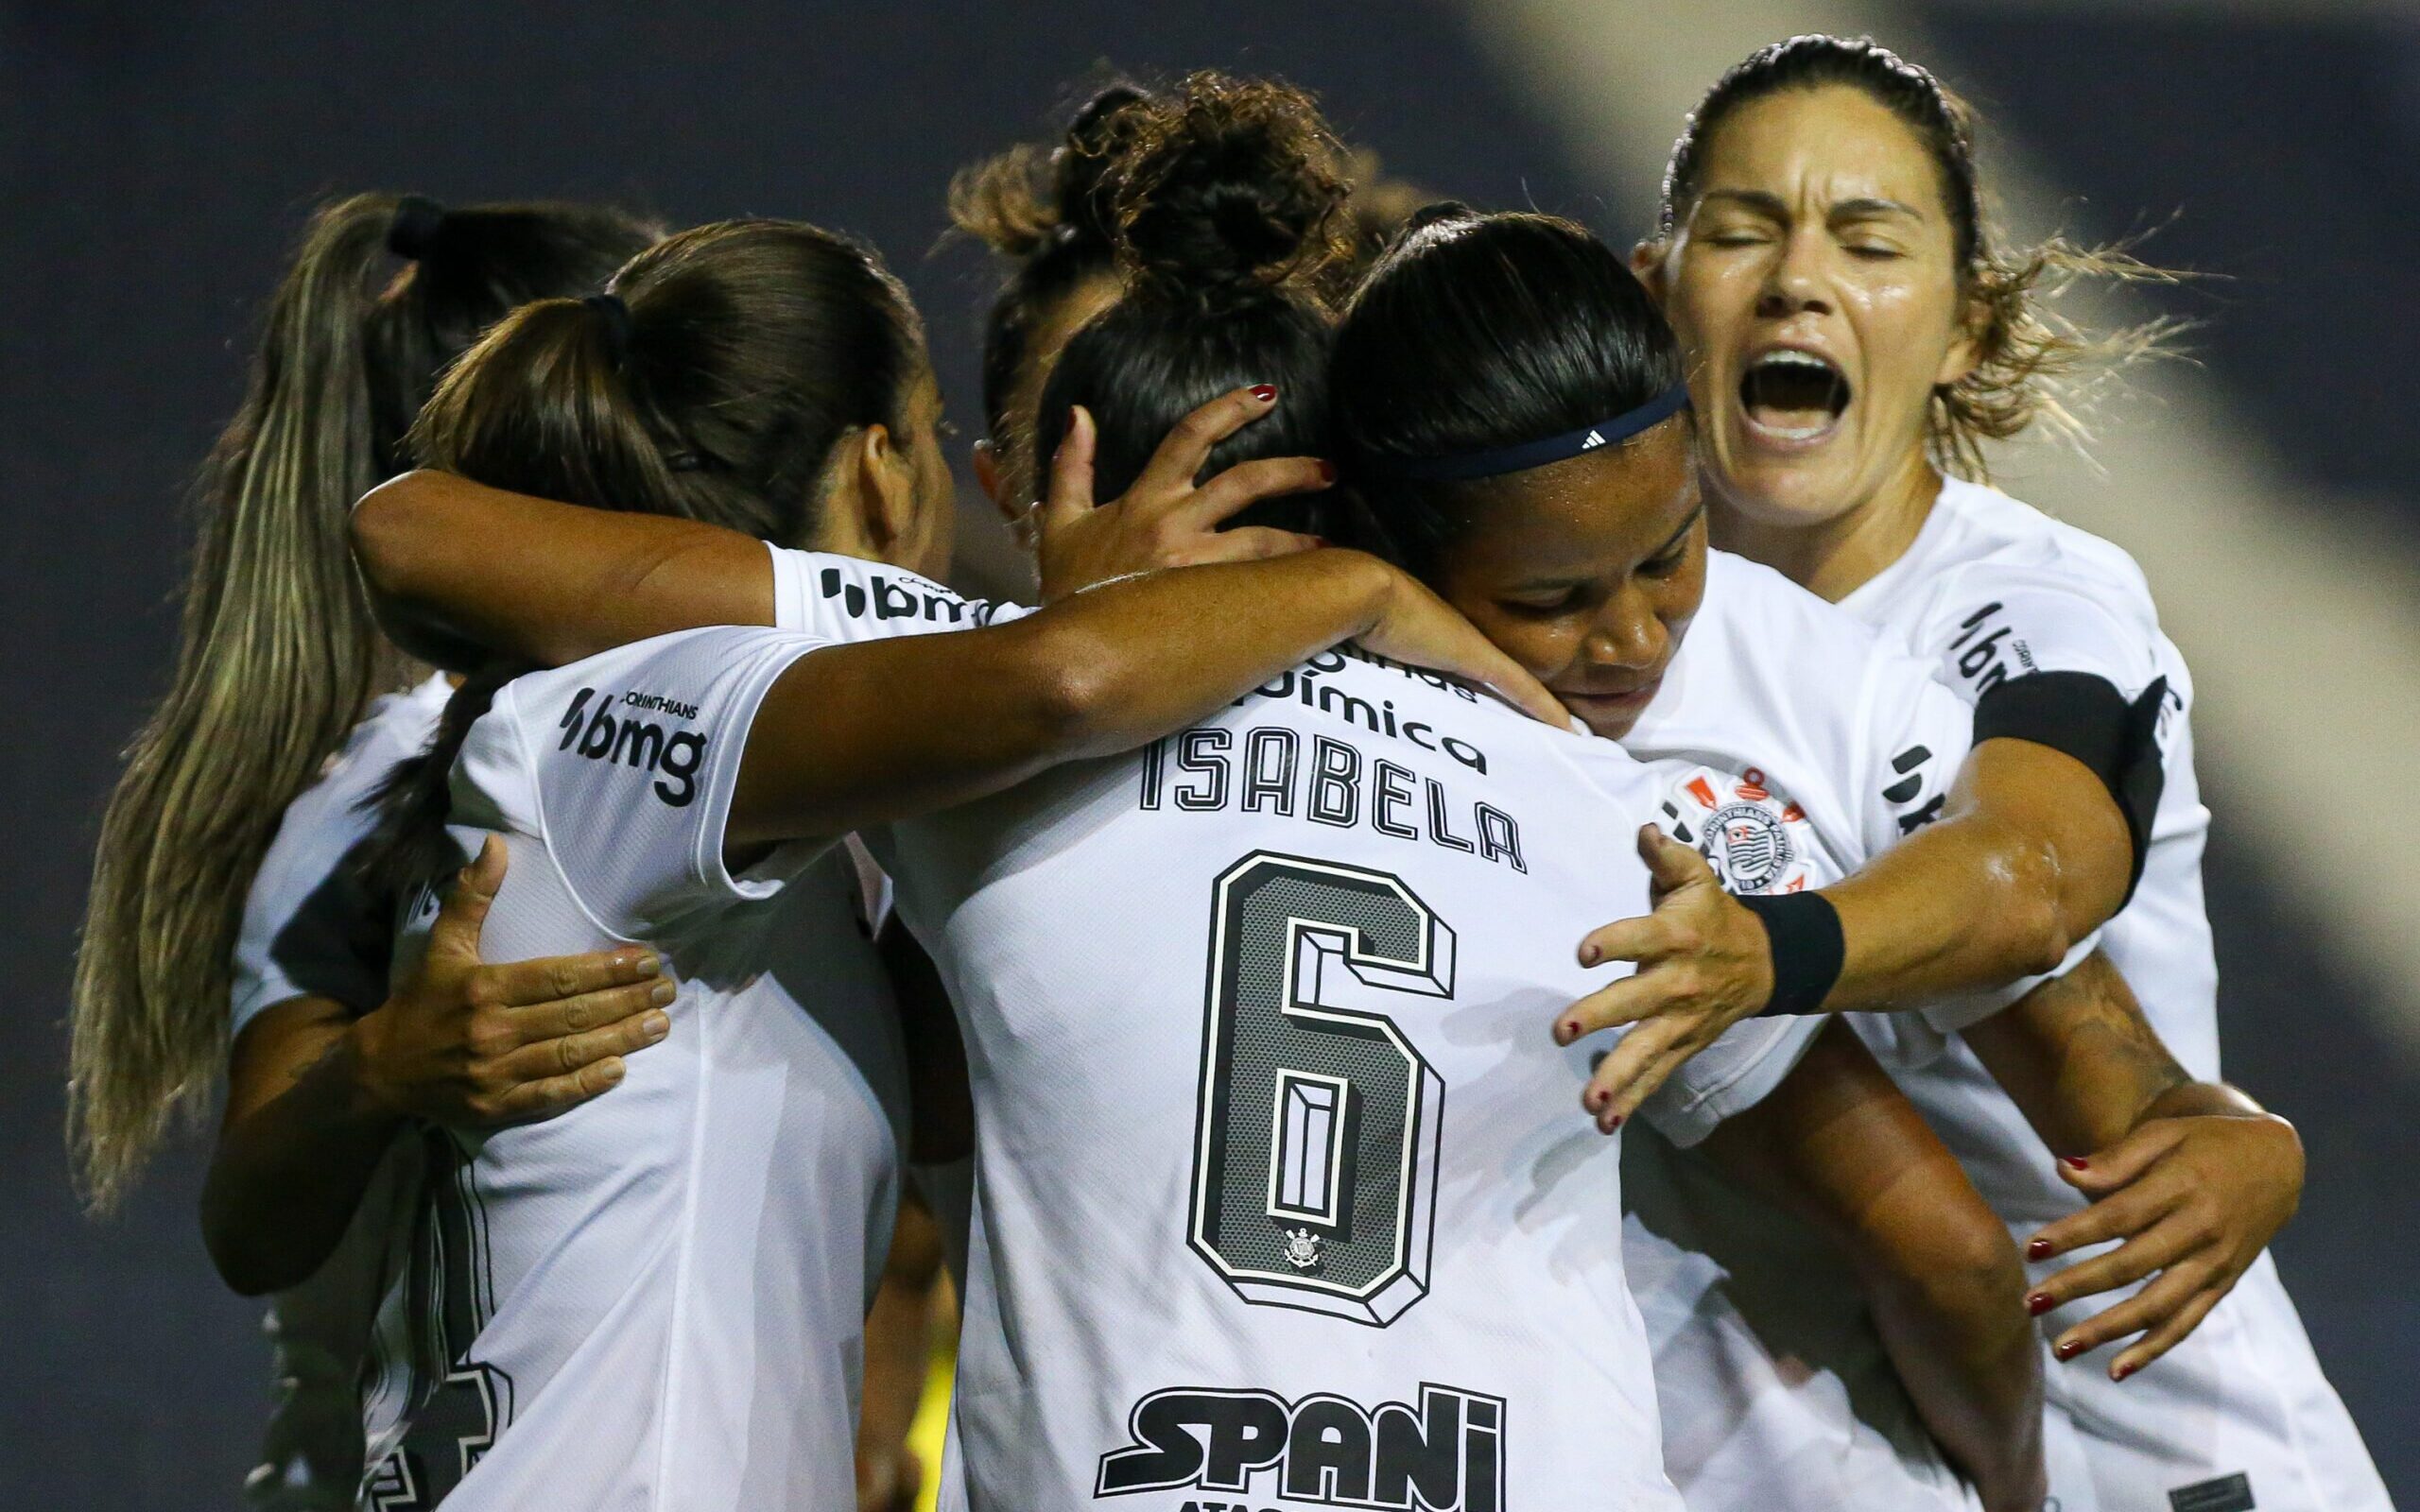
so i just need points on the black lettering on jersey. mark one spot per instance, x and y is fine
(1439, 829)
(675, 756)
(1262, 770)
(890, 599)
(1269, 757)
(1499, 838)
(1911, 823)
(1351, 710)
(1335, 781)
(1391, 792)
(1324, 1450)
(1155, 761)
(1204, 755)
(1980, 659)
(1908, 761)
(1303, 687)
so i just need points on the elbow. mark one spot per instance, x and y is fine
(383, 527)
(1076, 699)
(2034, 927)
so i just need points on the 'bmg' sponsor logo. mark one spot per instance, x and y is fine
(1322, 1449)
(674, 757)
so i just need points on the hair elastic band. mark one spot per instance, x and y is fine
(617, 324)
(1527, 455)
(414, 226)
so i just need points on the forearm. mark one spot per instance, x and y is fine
(449, 564)
(2033, 857)
(289, 1168)
(2084, 1066)
(1839, 1144)
(869, 733)
(1143, 658)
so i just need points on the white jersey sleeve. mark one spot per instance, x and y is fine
(1995, 621)
(311, 928)
(847, 599)
(626, 763)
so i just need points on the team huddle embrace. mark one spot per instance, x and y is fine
(1558, 906)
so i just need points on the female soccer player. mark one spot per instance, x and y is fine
(278, 660)
(1857, 336)
(661, 1292)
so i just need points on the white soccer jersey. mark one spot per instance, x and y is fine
(2239, 1415)
(311, 929)
(1284, 1196)
(656, 1301)
(1776, 1394)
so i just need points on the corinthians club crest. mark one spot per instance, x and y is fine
(1755, 838)
(1301, 1249)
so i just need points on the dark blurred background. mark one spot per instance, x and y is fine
(159, 157)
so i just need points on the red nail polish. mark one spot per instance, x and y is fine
(2121, 1372)
(2068, 1349)
(1328, 472)
(2039, 1303)
(2038, 1249)
(1569, 1029)
(1587, 955)
(1614, 1123)
(2075, 1162)
(1266, 393)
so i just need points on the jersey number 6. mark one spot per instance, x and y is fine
(1315, 1166)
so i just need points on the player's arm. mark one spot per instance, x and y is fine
(898, 1339)
(317, 1089)
(855, 735)
(2033, 852)
(1837, 1143)
(456, 569)
(2032, 855)
(2194, 1177)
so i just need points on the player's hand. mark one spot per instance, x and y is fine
(2196, 1198)
(470, 1045)
(1705, 963)
(1420, 629)
(1165, 520)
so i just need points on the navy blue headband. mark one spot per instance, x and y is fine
(1533, 454)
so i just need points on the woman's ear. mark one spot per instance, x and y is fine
(890, 487)
(1966, 345)
(1647, 263)
(865, 482)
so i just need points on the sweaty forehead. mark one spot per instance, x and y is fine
(1598, 513)
(1816, 147)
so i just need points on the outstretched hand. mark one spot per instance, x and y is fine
(1165, 520)
(1705, 963)
(467, 1044)
(2195, 1198)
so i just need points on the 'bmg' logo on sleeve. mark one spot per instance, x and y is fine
(674, 756)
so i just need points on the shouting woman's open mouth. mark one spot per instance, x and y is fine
(1792, 397)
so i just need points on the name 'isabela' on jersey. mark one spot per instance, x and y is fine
(674, 756)
(1264, 769)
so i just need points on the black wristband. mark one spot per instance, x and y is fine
(2086, 717)
(1803, 931)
